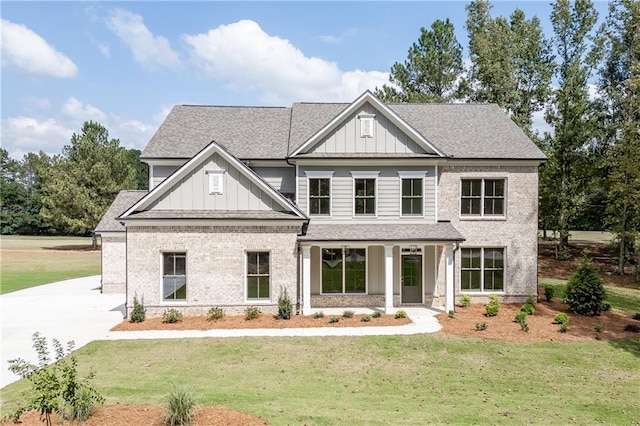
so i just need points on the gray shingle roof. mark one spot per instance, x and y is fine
(441, 231)
(212, 214)
(474, 131)
(122, 202)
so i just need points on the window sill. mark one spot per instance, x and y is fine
(257, 301)
(482, 293)
(173, 302)
(483, 218)
(343, 294)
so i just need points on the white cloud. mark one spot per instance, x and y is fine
(335, 39)
(28, 52)
(248, 59)
(29, 134)
(104, 49)
(36, 103)
(75, 109)
(147, 49)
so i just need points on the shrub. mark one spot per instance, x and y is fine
(521, 317)
(531, 300)
(348, 314)
(549, 291)
(365, 318)
(465, 300)
(561, 318)
(494, 299)
(585, 290)
(318, 314)
(451, 313)
(632, 328)
(528, 308)
(171, 316)
(400, 315)
(636, 316)
(481, 326)
(606, 307)
(524, 327)
(564, 328)
(179, 407)
(492, 310)
(251, 313)
(285, 307)
(55, 385)
(598, 328)
(378, 314)
(215, 314)
(139, 312)
(334, 319)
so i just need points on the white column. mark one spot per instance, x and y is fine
(388, 279)
(306, 280)
(448, 292)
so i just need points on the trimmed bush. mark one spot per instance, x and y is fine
(318, 315)
(521, 317)
(180, 407)
(251, 313)
(561, 318)
(215, 314)
(549, 291)
(606, 307)
(564, 328)
(285, 307)
(585, 291)
(465, 300)
(528, 308)
(531, 300)
(494, 299)
(334, 319)
(171, 316)
(451, 313)
(348, 314)
(400, 315)
(376, 314)
(481, 326)
(365, 318)
(632, 328)
(139, 312)
(492, 310)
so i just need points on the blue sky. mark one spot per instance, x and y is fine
(125, 64)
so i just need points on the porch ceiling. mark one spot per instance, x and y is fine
(435, 232)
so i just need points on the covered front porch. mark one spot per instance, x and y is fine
(385, 266)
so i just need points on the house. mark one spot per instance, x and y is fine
(339, 205)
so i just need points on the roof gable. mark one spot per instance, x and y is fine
(367, 101)
(187, 188)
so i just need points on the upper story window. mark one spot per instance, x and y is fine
(366, 125)
(411, 196)
(365, 196)
(216, 181)
(482, 197)
(320, 196)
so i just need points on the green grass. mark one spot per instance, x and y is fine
(421, 379)
(30, 261)
(590, 236)
(624, 299)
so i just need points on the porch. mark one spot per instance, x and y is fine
(382, 265)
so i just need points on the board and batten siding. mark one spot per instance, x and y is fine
(388, 203)
(387, 137)
(160, 173)
(192, 191)
(282, 179)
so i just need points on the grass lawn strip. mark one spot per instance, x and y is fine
(624, 299)
(420, 379)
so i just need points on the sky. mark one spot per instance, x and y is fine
(126, 64)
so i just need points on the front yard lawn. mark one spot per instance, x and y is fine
(624, 299)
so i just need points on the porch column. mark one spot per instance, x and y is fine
(306, 280)
(388, 279)
(448, 292)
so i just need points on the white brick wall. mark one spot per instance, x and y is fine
(114, 264)
(215, 265)
(518, 234)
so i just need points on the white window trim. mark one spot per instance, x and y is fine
(412, 175)
(317, 174)
(186, 274)
(320, 175)
(261, 301)
(366, 271)
(482, 216)
(219, 175)
(364, 175)
(482, 290)
(367, 118)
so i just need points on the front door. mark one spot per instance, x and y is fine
(411, 278)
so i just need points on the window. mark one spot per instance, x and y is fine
(366, 125)
(258, 275)
(344, 270)
(174, 276)
(365, 196)
(412, 197)
(482, 197)
(216, 181)
(320, 196)
(482, 269)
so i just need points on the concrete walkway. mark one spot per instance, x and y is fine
(76, 310)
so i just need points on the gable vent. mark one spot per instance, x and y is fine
(216, 182)
(366, 125)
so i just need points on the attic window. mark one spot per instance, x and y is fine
(366, 125)
(216, 181)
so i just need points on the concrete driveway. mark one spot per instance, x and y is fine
(67, 310)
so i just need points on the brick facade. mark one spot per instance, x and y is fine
(518, 233)
(114, 263)
(215, 264)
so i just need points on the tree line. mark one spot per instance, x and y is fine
(67, 194)
(591, 180)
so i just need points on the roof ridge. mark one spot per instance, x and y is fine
(234, 106)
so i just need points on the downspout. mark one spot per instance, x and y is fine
(126, 269)
(298, 275)
(456, 246)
